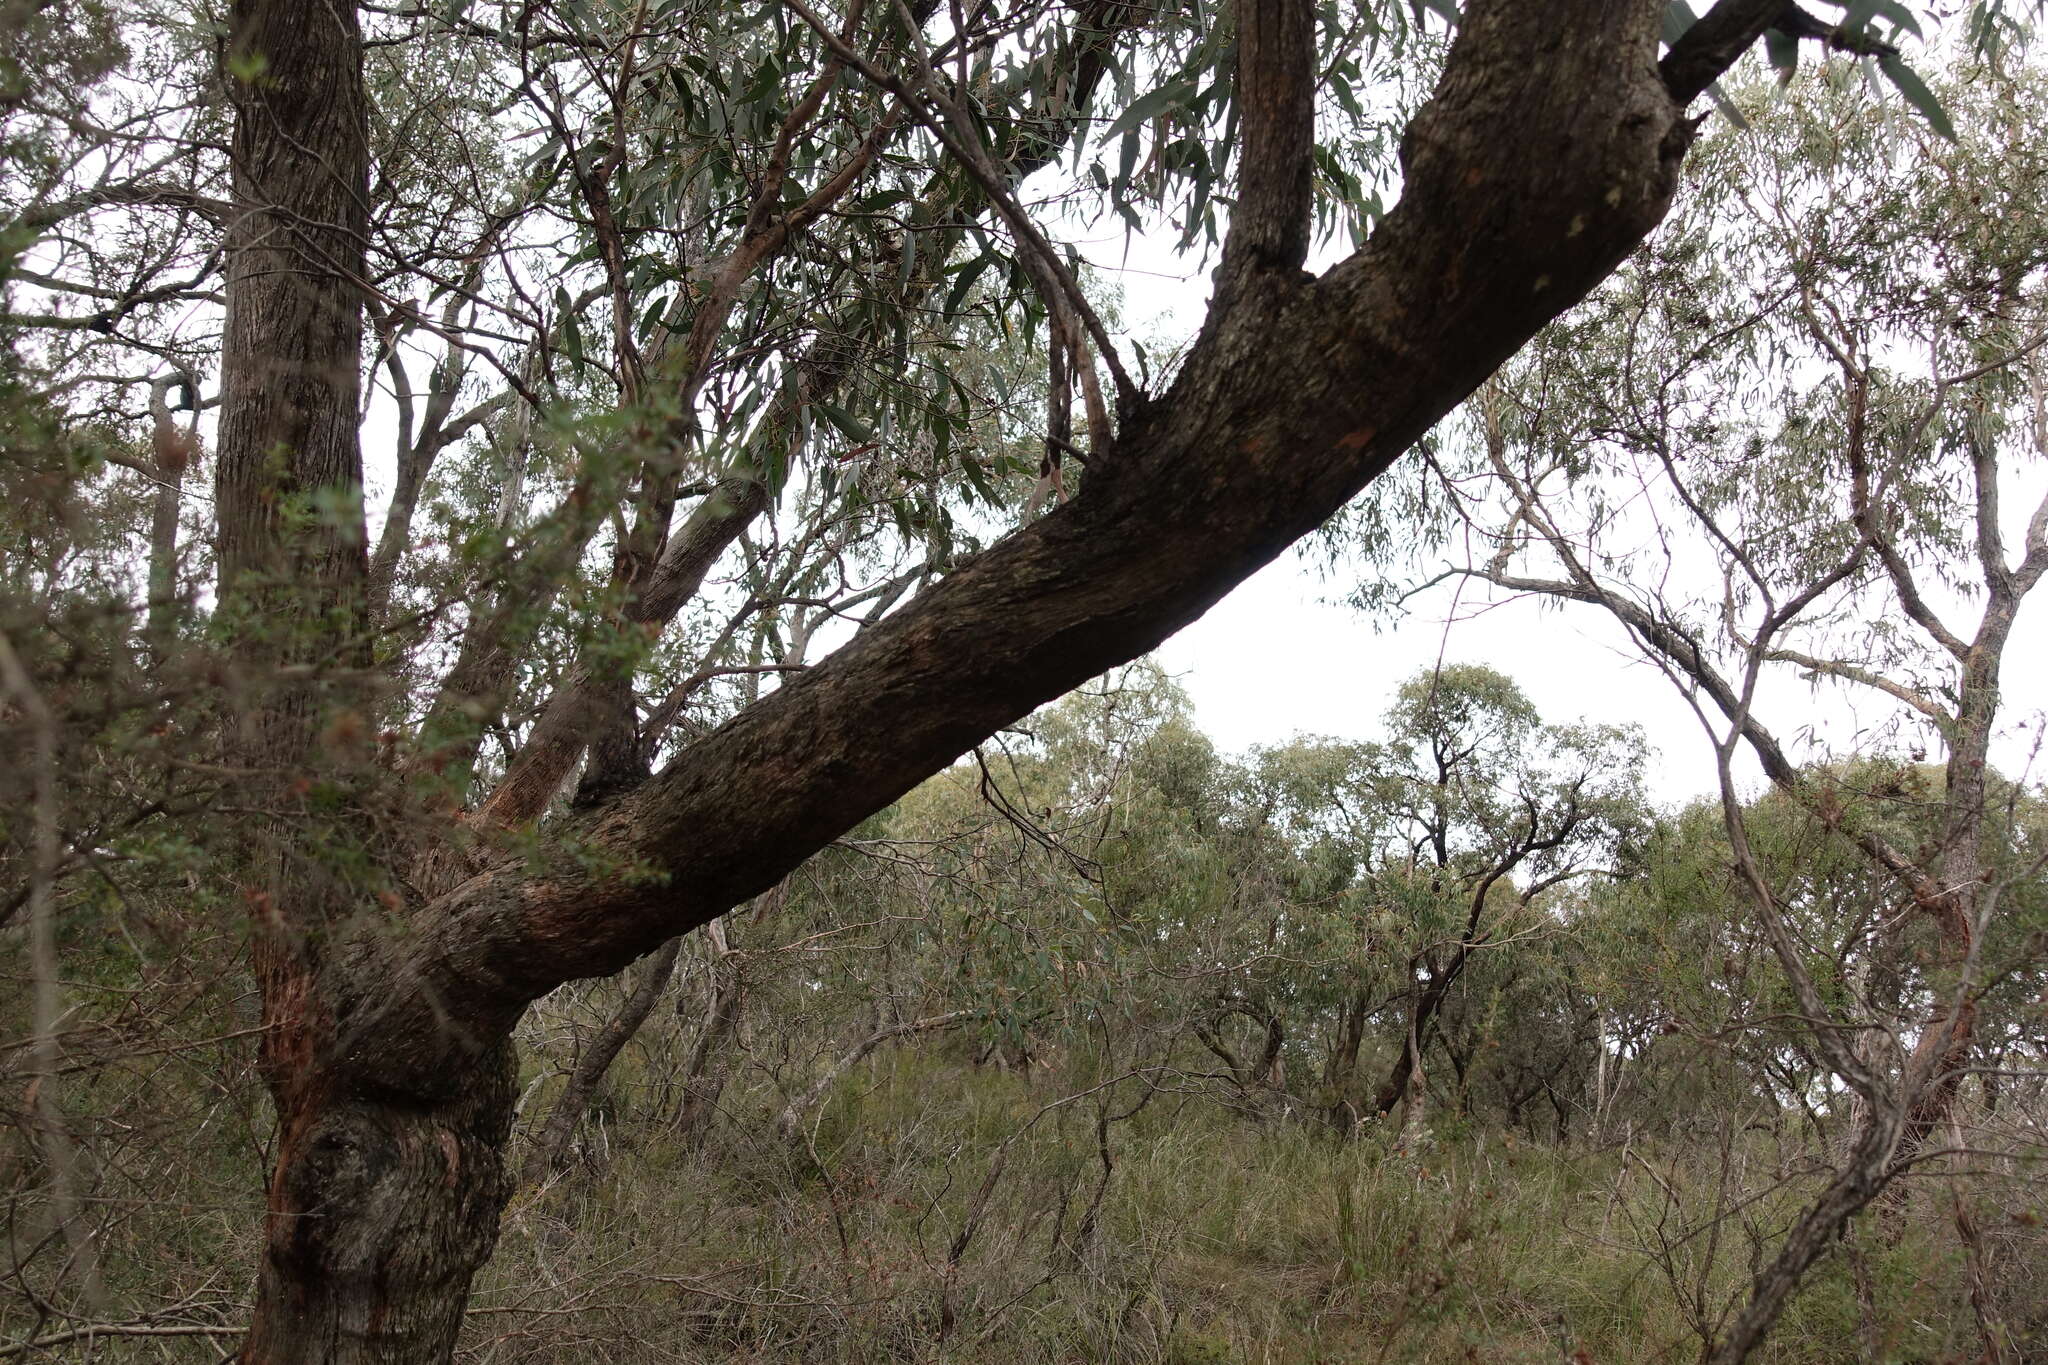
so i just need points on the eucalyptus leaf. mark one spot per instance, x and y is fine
(1148, 106)
(1918, 95)
(850, 426)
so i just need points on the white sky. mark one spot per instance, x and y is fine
(1282, 655)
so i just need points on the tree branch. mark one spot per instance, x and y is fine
(1550, 149)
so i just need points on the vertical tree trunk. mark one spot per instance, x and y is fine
(1421, 1014)
(1598, 1127)
(1342, 1063)
(174, 451)
(1273, 1061)
(381, 1211)
(163, 558)
(1414, 1089)
(381, 1203)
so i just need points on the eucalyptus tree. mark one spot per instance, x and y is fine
(713, 259)
(1489, 810)
(1454, 832)
(1686, 979)
(1074, 876)
(1778, 445)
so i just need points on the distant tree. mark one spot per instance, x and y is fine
(1778, 445)
(1459, 824)
(628, 259)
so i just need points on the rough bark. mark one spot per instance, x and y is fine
(1550, 148)
(381, 1212)
(1415, 1091)
(380, 1206)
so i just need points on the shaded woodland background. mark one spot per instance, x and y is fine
(1100, 1045)
(1075, 1055)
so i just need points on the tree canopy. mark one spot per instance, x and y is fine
(494, 488)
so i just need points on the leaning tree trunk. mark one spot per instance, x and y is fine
(1422, 1012)
(705, 1072)
(550, 1154)
(1551, 146)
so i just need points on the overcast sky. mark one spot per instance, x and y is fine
(1283, 656)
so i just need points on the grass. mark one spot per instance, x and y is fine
(1212, 1237)
(938, 1211)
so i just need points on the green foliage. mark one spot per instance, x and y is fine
(1070, 1054)
(1218, 1239)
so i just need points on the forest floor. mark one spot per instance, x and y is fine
(938, 1211)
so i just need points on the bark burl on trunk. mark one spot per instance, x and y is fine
(1550, 148)
(381, 1210)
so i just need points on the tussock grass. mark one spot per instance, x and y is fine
(1212, 1237)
